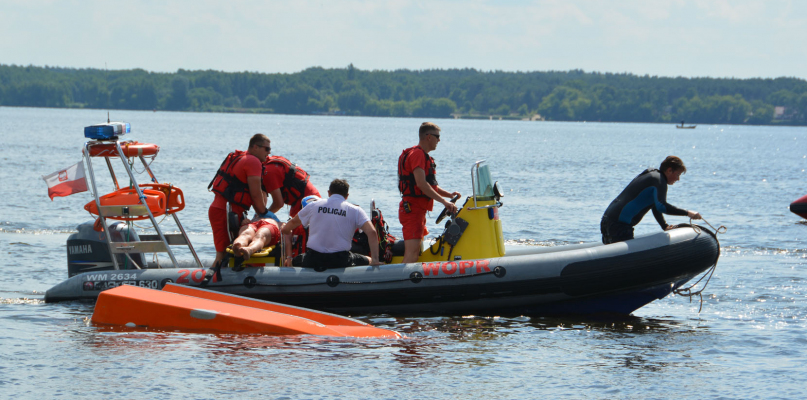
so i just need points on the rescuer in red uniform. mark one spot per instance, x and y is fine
(238, 182)
(286, 183)
(419, 189)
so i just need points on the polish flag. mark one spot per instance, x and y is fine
(67, 181)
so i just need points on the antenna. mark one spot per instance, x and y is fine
(107, 76)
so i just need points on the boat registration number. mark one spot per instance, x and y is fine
(104, 285)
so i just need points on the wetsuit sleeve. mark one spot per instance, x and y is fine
(661, 206)
(660, 218)
(673, 210)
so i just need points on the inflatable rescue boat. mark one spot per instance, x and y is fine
(466, 270)
(799, 207)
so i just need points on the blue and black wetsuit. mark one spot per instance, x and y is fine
(645, 192)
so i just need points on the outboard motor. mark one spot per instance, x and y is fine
(88, 251)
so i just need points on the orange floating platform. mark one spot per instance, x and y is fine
(189, 308)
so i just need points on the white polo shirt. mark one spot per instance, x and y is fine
(331, 223)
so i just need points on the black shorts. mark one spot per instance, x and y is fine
(322, 261)
(613, 232)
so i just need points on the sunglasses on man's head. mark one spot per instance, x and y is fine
(437, 135)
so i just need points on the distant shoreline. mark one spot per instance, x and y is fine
(459, 93)
(783, 124)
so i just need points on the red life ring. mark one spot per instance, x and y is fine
(130, 149)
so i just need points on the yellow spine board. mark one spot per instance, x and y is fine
(258, 259)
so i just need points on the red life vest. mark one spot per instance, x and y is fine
(361, 244)
(228, 185)
(385, 239)
(299, 240)
(295, 179)
(406, 181)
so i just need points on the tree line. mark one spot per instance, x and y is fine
(553, 95)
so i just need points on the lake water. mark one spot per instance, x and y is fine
(748, 341)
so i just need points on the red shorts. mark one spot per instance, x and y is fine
(218, 221)
(414, 223)
(274, 231)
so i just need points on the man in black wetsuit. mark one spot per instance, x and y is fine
(647, 191)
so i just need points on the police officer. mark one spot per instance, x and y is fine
(331, 224)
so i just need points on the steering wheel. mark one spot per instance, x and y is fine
(444, 213)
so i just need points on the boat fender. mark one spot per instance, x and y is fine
(332, 281)
(499, 271)
(416, 277)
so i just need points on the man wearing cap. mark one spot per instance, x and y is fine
(331, 224)
(419, 189)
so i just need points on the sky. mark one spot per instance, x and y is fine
(718, 38)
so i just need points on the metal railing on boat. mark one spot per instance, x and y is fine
(158, 243)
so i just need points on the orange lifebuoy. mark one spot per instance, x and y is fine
(155, 200)
(130, 149)
(174, 197)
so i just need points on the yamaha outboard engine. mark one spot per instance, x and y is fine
(88, 251)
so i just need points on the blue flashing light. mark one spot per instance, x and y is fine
(107, 131)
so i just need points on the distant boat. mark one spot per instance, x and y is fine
(682, 126)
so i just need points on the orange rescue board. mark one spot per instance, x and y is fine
(126, 305)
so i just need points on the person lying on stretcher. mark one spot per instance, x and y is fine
(254, 236)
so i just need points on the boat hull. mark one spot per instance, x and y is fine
(577, 279)
(197, 310)
(799, 207)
